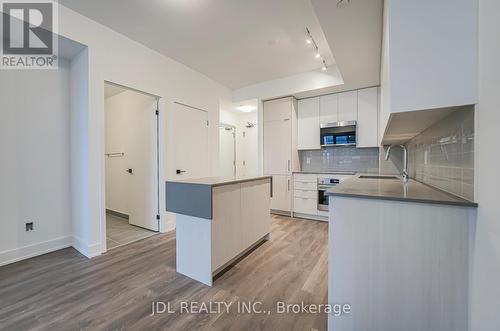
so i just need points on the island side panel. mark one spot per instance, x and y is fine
(189, 199)
(400, 265)
(255, 211)
(193, 243)
(226, 224)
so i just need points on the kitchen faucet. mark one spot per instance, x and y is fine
(405, 160)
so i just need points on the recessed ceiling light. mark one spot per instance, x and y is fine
(308, 41)
(246, 108)
(323, 68)
(317, 55)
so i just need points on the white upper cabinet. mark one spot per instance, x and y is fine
(368, 112)
(348, 106)
(308, 124)
(329, 108)
(278, 110)
(280, 137)
(427, 68)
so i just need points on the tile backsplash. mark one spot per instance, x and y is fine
(340, 159)
(443, 155)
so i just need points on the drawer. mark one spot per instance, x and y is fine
(305, 178)
(305, 194)
(308, 186)
(305, 206)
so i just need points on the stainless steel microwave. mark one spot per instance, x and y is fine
(338, 134)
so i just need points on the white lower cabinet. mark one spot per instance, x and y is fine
(282, 194)
(305, 205)
(305, 194)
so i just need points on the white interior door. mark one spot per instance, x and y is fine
(144, 164)
(227, 148)
(132, 179)
(190, 142)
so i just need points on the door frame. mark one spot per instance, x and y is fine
(233, 127)
(159, 163)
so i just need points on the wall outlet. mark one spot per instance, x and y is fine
(29, 226)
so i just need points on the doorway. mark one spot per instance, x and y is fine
(227, 150)
(131, 165)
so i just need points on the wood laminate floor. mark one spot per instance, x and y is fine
(65, 291)
(119, 232)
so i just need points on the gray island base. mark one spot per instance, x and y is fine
(399, 255)
(218, 220)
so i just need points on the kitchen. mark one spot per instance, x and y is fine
(324, 159)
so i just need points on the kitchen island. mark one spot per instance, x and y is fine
(218, 220)
(398, 255)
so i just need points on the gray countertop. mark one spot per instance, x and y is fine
(395, 189)
(218, 181)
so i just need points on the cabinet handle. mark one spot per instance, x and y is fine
(288, 165)
(288, 185)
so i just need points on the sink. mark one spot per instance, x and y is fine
(378, 177)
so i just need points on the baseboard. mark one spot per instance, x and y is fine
(311, 217)
(117, 213)
(86, 250)
(29, 251)
(281, 212)
(169, 226)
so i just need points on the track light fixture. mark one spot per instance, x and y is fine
(310, 40)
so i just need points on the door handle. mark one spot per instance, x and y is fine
(179, 171)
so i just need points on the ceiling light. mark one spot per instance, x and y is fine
(317, 55)
(323, 68)
(308, 41)
(246, 108)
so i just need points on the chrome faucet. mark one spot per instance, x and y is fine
(405, 160)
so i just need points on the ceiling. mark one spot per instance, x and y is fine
(235, 42)
(354, 33)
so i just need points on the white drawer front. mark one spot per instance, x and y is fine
(305, 194)
(305, 186)
(305, 178)
(305, 206)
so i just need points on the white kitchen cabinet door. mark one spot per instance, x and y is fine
(255, 217)
(348, 106)
(277, 147)
(278, 110)
(282, 194)
(308, 124)
(226, 224)
(305, 205)
(368, 117)
(329, 108)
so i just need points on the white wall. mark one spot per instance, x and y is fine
(79, 158)
(121, 136)
(35, 161)
(485, 295)
(132, 64)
